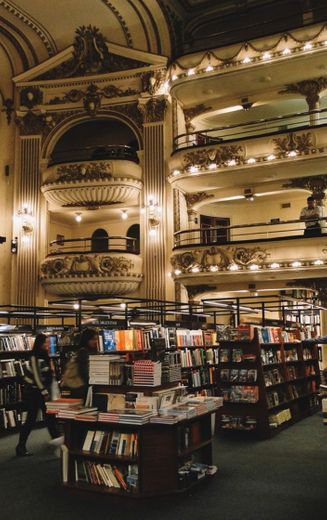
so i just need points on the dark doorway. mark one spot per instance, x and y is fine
(134, 232)
(211, 232)
(99, 241)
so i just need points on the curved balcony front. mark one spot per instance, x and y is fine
(92, 180)
(85, 267)
(239, 255)
(269, 148)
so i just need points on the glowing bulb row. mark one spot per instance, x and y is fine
(264, 56)
(194, 169)
(252, 267)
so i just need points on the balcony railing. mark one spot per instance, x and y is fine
(112, 244)
(94, 153)
(260, 127)
(261, 231)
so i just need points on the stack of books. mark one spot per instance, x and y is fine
(126, 416)
(58, 405)
(147, 373)
(16, 342)
(106, 370)
(72, 413)
(164, 419)
(111, 443)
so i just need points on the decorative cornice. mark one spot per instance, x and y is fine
(195, 198)
(302, 143)
(153, 110)
(309, 88)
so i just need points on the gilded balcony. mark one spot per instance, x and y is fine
(93, 178)
(289, 146)
(239, 255)
(83, 267)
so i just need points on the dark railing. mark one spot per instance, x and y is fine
(258, 128)
(110, 244)
(95, 153)
(260, 231)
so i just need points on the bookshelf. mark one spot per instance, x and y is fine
(267, 383)
(149, 471)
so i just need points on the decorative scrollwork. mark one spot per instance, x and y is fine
(220, 155)
(302, 143)
(87, 265)
(84, 172)
(245, 256)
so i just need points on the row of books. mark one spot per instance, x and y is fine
(13, 418)
(122, 340)
(121, 478)
(238, 422)
(11, 368)
(271, 356)
(273, 377)
(198, 377)
(127, 416)
(235, 355)
(307, 353)
(241, 394)
(111, 443)
(189, 338)
(309, 370)
(277, 397)
(171, 368)
(291, 336)
(269, 334)
(199, 357)
(13, 342)
(10, 394)
(238, 375)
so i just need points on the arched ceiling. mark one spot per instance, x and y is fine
(50, 26)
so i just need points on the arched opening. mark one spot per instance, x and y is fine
(95, 140)
(134, 233)
(99, 241)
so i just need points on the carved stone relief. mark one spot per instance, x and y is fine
(84, 172)
(153, 110)
(222, 257)
(87, 265)
(302, 143)
(195, 198)
(220, 155)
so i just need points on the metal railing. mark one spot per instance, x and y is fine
(258, 128)
(95, 153)
(260, 231)
(110, 244)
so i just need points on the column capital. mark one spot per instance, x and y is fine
(309, 88)
(153, 109)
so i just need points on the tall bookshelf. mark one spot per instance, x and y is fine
(14, 352)
(267, 385)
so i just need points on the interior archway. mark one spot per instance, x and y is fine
(99, 241)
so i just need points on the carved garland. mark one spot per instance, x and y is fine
(84, 172)
(221, 156)
(85, 266)
(220, 257)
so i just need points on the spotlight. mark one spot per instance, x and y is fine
(124, 214)
(233, 267)
(76, 306)
(78, 217)
(254, 267)
(14, 246)
(318, 262)
(275, 265)
(271, 157)
(296, 264)
(177, 272)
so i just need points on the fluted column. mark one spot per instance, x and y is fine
(153, 110)
(28, 196)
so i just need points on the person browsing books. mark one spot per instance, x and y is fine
(38, 378)
(75, 379)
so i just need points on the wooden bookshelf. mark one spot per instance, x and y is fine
(288, 399)
(158, 469)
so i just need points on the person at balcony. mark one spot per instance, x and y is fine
(311, 215)
(38, 379)
(75, 380)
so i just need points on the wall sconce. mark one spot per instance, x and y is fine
(153, 211)
(14, 246)
(26, 217)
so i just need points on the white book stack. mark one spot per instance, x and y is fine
(99, 369)
(147, 373)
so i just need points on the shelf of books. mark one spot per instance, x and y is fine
(14, 351)
(269, 380)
